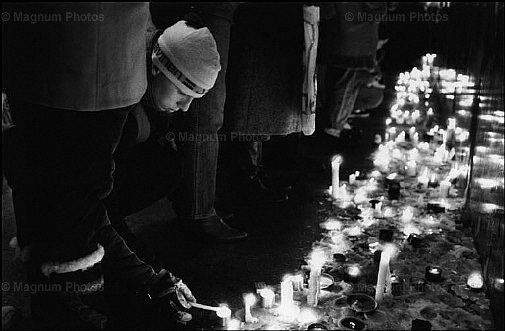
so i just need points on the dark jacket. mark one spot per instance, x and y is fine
(350, 33)
(265, 70)
(77, 56)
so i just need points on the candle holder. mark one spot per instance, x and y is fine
(419, 284)
(433, 274)
(351, 323)
(386, 235)
(396, 285)
(374, 202)
(317, 327)
(436, 207)
(394, 190)
(415, 240)
(362, 303)
(419, 324)
(339, 258)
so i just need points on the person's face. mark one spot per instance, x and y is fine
(168, 97)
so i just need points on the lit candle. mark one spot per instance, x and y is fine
(224, 313)
(286, 291)
(433, 181)
(445, 187)
(424, 179)
(335, 176)
(352, 179)
(475, 281)
(249, 301)
(297, 281)
(400, 138)
(408, 215)
(415, 139)
(316, 262)
(384, 272)
(411, 168)
(433, 274)
(268, 297)
(498, 284)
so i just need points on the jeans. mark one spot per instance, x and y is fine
(59, 165)
(342, 88)
(196, 197)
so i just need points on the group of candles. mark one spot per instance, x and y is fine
(441, 142)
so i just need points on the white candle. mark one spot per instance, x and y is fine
(286, 291)
(335, 176)
(407, 215)
(383, 273)
(268, 297)
(316, 262)
(249, 301)
(415, 139)
(445, 187)
(475, 281)
(314, 286)
(401, 137)
(297, 281)
(411, 168)
(352, 179)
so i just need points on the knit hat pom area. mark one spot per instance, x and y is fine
(188, 57)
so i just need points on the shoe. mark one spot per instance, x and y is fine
(214, 229)
(224, 214)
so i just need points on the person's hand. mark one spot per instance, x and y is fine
(184, 294)
(173, 294)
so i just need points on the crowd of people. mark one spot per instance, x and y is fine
(112, 115)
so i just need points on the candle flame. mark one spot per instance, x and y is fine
(354, 270)
(224, 311)
(317, 258)
(475, 280)
(336, 159)
(250, 299)
(331, 224)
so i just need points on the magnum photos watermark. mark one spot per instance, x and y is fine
(395, 17)
(39, 17)
(202, 137)
(31, 288)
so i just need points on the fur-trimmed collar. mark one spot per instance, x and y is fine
(48, 268)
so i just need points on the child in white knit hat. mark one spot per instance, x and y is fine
(182, 64)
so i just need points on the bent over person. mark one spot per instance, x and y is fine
(74, 85)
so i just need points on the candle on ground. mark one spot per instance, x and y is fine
(445, 187)
(335, 175)
(384, 272)
(249, 301)
(268, 297)
(316, 262)
(411, 168)
(475, 281)
(286, 291)
(352, 179)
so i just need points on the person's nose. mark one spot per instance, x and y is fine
(184, 104)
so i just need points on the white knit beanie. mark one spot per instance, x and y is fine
(188, 57)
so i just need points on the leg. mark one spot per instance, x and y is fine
(195, 201)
